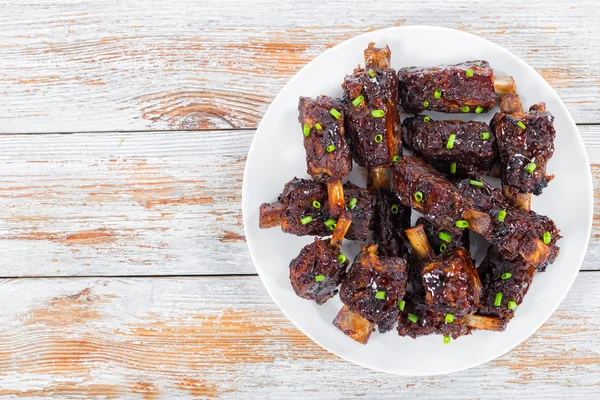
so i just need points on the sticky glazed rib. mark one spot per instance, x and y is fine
(297, 202)
(390, 220)
(373, 287)
(514, 231)
(373, 119)
(320, 267)
(468, 87)
(450, 210)
(505, 284)
(525, 144)
(327, 153)
(442, 241)
(452, 146)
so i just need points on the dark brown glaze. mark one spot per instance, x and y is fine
(390, 220)
(442, 204)
(380, 93)
(429, 322)
(323, 165)
(471, 154)
(452, 284)
(295, 203)
(362, 211)
(518, 147)
(457, 241)
(513, 288)
(418, 85)
(317, 258)
(518, 230)
(368, 275)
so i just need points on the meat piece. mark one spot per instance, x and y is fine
(511, 104)
(525, 144)
(353, 325)
(423, 188)
(509, 278)
(373, 119)
(390, 220)
(373, 287)
(442, 241)
(298, 202)
(516, 230)
(468, 87)
(452, 146)
(318, 271)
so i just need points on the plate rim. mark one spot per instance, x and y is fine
(588, 178)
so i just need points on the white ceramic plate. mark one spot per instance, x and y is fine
(277, 155)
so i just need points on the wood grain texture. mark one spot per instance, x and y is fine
(214, 337)
(98, 66)
(164, 203)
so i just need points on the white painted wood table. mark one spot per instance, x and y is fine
(125, 128)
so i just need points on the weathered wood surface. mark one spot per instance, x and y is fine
(212, 337)
(68, 66)
(164, 203)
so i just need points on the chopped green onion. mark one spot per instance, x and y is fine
(378, 113)
(395, 209)
(478, 110)
(426, 119)
(506, 275)
(484, 135)
(320, 278)
(305, 220)
(330, 148)
(547, 237)
(306, 129)
(316, 204)
(425, 104)
(498, 299)
(358, 101)
(380, 294)
(418, 196)
(465, 109)
(449, 318)
(530, 167)
(521, 125)
(476, 183)
(453, 168)
(395, 159)
(401, 305)
(318, 126)
(330, 223)
(469, 73)
(336, 114)
(501, 215)
(445, 237)
(352, 203)
(443, 247)
(413, 317)
(451, 140)
(447, 339)
(512, 305)
(342, 258)
(371, 73)
(378, 138)
(478, 63)
(437, 94)
(461, 223)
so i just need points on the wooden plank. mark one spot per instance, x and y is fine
(224, 337)
(139, 203)
(75, 66)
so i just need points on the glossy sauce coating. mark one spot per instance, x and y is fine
(519, 147)
(390, 220)
(457, 241)
(368, 275)
(316, 259)
(418, 85)
(471, 154)
(324, 165)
